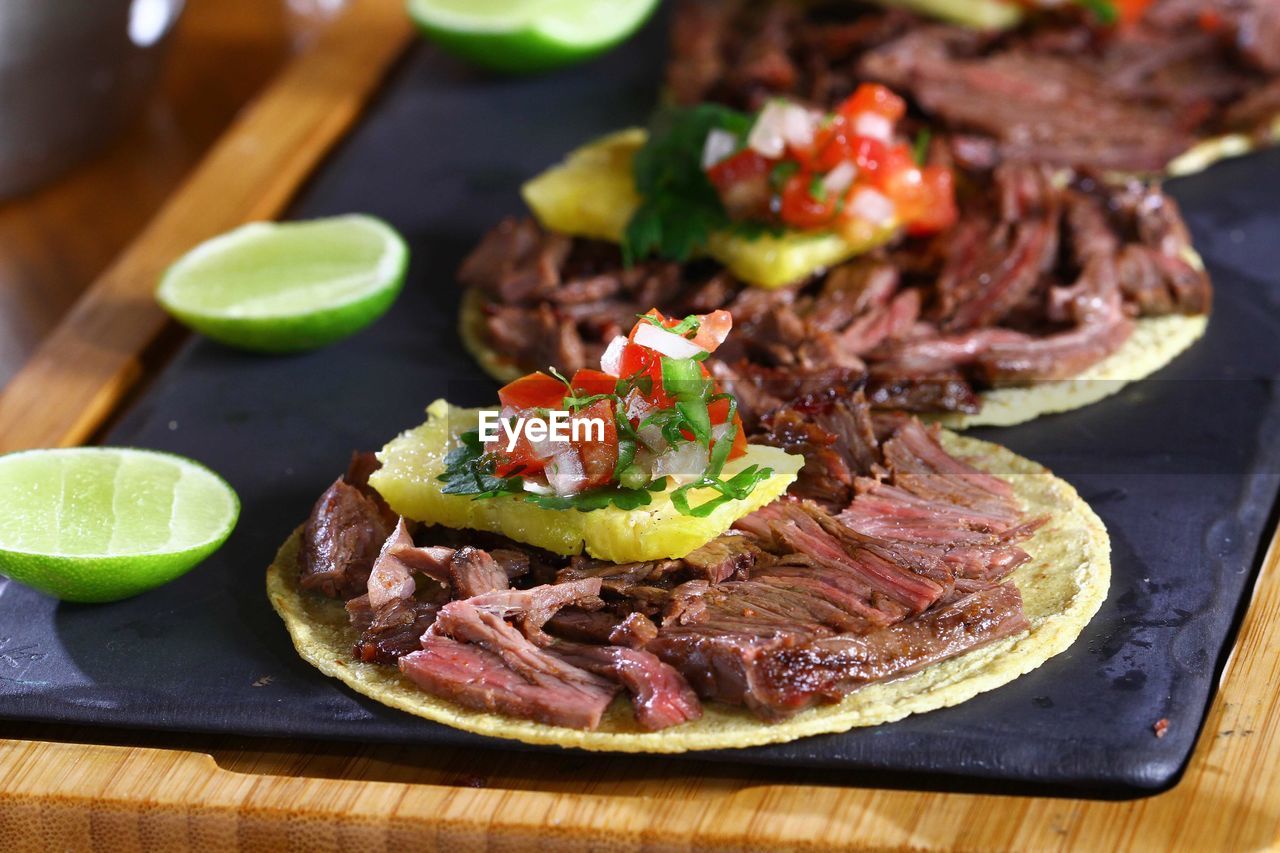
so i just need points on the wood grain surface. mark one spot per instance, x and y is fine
(95, 353)
(55, 241)
(65, 788)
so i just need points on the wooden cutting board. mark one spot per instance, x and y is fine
(69, 788)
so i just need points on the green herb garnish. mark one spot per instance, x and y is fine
(680, 207)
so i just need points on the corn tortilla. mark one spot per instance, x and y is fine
(1155, 342)
(1062, 586)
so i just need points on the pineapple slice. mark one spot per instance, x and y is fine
(412, 462)
(591, 194)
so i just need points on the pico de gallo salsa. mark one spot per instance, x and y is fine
(665, 420)
(709, 168)
(845, 170)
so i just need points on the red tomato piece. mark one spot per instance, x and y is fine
(743, 183)
(1131, 11)
(799, 206)
(873, 98)
(588, 382)
(534, 391)
(713, 328)
(844, 146)
(938, 207)
(743, 166)
(599, 453)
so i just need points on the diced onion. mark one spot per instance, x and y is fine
(651, 435)
(797, 126)
(766, 134)
(719, 145)
(536, 487)
(545, 448)
(611, 361)
(565, 474)
(872, 206)
(682, 463)
(778, 124)
(667, 343)
(874, 126)
(840, 178)
(719, 431)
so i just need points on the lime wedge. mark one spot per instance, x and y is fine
(103, 523)
(288, 286)
(528, 35)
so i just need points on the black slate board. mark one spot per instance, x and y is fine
(1183, 469)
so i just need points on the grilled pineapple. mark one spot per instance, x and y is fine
(412, 462)
(591, 194)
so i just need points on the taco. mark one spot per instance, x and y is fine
(1128, 86)
(656, 591)
(971, 298)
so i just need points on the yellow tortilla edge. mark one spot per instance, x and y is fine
(1063, 585)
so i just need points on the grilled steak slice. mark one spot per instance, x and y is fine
(474, 572)
(497, 670)
(473, 656)
(340, 541)
(660, 695)
(776, 676)
(723, 558)
(390, 631)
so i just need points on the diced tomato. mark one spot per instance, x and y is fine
(743, 184)
(589, 382)
(895, 163)
(599, 457)
(520, 460)
(745, 165)
(845, 146)
(719, 412)
(713, 328)
(872, 98)
(800, 208)
(938, 205)
(535, 391)
(1131, 11)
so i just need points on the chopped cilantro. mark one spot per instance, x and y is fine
(680, 207)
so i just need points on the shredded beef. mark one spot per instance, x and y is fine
(1057, 90)
(340, 541)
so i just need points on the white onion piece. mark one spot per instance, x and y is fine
(797, 126)
(874, 126)
(719, 145)
(667, 343)
(683, 463)
(636, 406)
(766, 136)
(611, 361)
(565, 474)
(536, 487)
(545, 448)
(840, 178)
(872, 206)
(719, 431)
(651, 435)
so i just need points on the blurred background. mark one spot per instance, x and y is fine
(104, 107)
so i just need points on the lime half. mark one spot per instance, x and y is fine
(103, 523)
(528, 35)
(288, 286)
